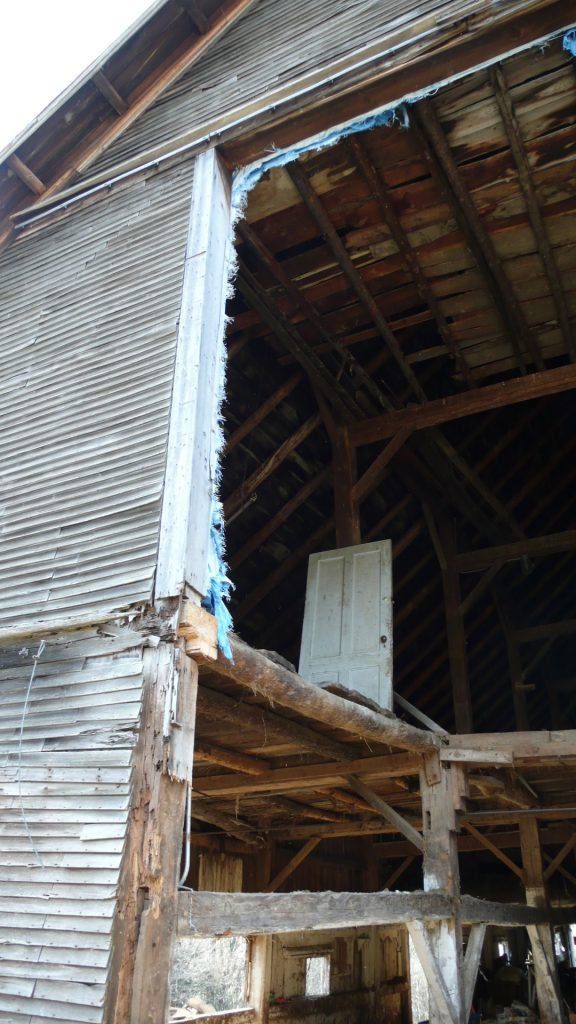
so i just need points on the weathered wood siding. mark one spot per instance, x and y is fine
(282, 48)
(87, 342)
(66, 743)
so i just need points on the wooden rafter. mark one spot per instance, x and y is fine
(534, 547)
(508, 114)
(429, 131)
(26, 175)
(96, 144)
(110, 93)
(399, 235)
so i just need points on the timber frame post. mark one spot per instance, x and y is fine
(439, 944)
(146, 917)
(550, 1003)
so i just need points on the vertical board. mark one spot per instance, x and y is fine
(91, 304)
(347, 633)
(192, 460)
(66, 745)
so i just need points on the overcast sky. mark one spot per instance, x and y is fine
(46, 44)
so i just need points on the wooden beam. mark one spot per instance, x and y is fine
(551, 1006)
(292, 864)
(488, 845)
(399, 871)
(518, 149)
(221, 708)
(551, 835)
(443, 1005)
(439, 945)
(198, 18)
(472, 959)
(22, 171)
(243, 913)
(320, 375)
(468, 403)
(528, 634)
(312, 776)
(234, 826)
(525, 748)
(387, 812)
(535, 547)
(109, 92)
(150, 92)
(346, 511)
(455, 631)
(259, 414)
(521, 714)
(289, 690)
(426, 124)
(374, 474)
(215, 754)
(273, 524)
(425, 291)
(333, 240)
(242, 493)
(405, 705)
(556, 861)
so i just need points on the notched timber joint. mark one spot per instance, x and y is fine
(199, 629)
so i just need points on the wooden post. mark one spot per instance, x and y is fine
(346, 510)
(514, 663)
(550, 1004)
(145, 924)
(439, 945)
(455, 629)
(261, 953)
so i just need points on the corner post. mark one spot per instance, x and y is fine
(439, 945)
(550, 1002)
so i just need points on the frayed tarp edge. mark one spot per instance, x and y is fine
(569, 42)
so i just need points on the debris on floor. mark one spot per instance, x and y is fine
(192, 1009)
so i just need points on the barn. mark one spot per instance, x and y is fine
(287, 530)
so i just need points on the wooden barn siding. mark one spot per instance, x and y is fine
(274, 46)
(87, 339)
(63, 819)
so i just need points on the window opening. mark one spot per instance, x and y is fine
(317, 976)
(208, 975)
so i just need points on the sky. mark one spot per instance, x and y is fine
(45, 44)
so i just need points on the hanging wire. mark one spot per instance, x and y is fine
(35, 659)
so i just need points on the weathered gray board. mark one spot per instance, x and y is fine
(90, 306)
(283, 48)
(65, 767)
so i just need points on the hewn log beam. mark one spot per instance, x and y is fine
(469, 403)
(212, 913)
(289, 690)
(275, 728)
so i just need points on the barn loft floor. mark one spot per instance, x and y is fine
(406, 264)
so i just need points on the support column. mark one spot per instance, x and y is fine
(550, 1004)
(145, 923)
(346, 509)
(455, 628)
(439, 945)
(261, 953)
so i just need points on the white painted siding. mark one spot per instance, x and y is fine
(90, 307)
(269, 52)
(65, 768)
(347, 632)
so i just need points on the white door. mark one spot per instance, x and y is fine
(347, 633)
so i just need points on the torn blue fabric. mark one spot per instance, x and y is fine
(246, 181)
(569, 42)
(220, 586)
